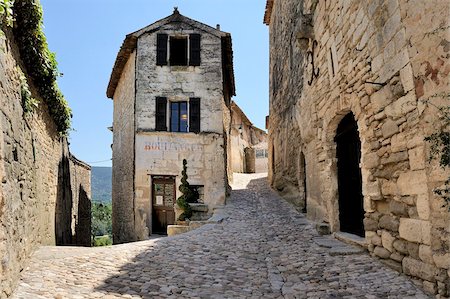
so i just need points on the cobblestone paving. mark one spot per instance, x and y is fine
(265, 249)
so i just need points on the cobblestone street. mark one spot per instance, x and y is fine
(264, 249)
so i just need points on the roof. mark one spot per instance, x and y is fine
(268, 12)
(130, 44)
(244, 117)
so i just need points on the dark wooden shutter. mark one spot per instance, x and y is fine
(161, 49)
(194, 49)
(161, 114)
(194, 115)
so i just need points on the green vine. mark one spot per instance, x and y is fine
(440, 148)
(28, 102)
(6, 14)
(40, 63)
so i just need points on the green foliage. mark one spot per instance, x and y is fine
(28, 102)
(6, 14)
(188, 195)
(39, 62)
(440, 149)
(101, 216)
(102, 241)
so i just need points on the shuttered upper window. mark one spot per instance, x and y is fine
(182, 51)
(183, 116)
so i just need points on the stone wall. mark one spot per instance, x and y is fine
(32, 156)
(123, 156)
(386, 62)
(244, 135)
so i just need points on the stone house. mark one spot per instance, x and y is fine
(45, 190)
(171, 85)
(248, 144)
(355, 87)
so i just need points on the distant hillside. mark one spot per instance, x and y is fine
(101, 183)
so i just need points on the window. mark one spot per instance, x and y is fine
(199, 192)
(178, 48)
(178, 51)
(184, 116)
(261, 153)
(178, 117)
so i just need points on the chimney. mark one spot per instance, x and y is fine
(218, 26)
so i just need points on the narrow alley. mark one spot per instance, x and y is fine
(264, 249)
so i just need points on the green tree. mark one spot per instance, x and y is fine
(101, 214)
(188, 195)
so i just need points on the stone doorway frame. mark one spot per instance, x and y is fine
(330, 191)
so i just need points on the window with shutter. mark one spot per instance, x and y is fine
(178, 51)
(161, 49)
(161, 112)
(194, 49)
(194, 115)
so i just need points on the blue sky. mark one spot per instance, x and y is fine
(86, 36)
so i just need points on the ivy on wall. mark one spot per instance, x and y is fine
(6, 14)
(440, 149)
(39, 61)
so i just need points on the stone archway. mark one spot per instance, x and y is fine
(350, 197)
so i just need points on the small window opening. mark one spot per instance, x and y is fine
(178, 51)
(332, 62)
(178, 117)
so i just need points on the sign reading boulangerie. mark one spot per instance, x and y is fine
(171, 146)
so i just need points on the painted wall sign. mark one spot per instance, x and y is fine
(171, 146)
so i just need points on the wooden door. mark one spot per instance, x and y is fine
(163, 200)
(348, 150)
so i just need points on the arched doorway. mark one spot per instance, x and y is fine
(348, 152)
(302, 180)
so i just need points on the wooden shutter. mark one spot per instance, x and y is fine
(194, 115)
(161, 49)
(161, 114)
(194, 49)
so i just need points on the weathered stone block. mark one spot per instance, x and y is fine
(372, 189)
(417, 158)
(407, 78)
(398, 143)
(401, 246)
(371, 160)
(398, 208)
(423, 206)
(381, 252)
(415, 230)
(370, 224)
(420, 269)
(387, 240)
(381, 98)
(397, 257)
(389, 222)
(430, 287)
(389, 128)
(413, 249)
(413, 182)
(425, 254)
(395, 158)
(442, 260)
(376, 240)
(402, 106)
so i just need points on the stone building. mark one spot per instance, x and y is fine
(355, 87)
(171, 84)
(44, 190)
(248, 144)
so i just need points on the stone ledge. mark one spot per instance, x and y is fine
(351, 239)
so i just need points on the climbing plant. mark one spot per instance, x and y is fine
(38, 60)
(28, 102)
(440, 149)
(6, 15)
(188, 195)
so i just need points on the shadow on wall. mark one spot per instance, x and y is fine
(64, 204)
(83, 225)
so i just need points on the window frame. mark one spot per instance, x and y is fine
(178, 103)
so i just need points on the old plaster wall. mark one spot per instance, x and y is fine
(33, 184)
(387, 63)
(204, 152)
(123, 155)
